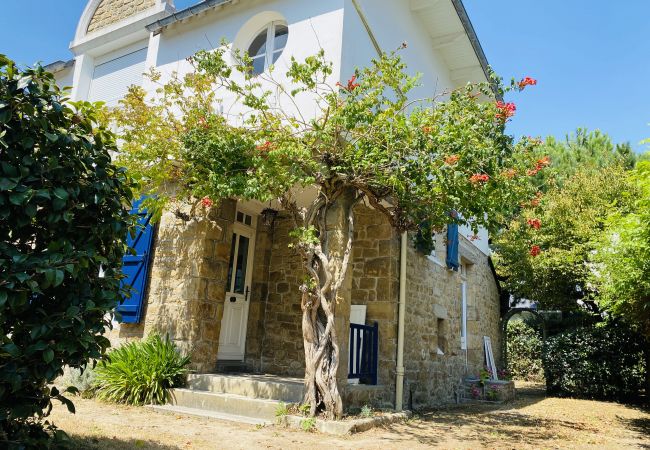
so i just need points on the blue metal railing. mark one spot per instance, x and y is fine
(364, 352)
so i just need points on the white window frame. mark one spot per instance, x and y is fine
(269, 44)
(463, 310)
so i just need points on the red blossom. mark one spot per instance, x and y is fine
(352, 85)
(528, 81)
(534, 223)
(207, 202)
(543, 162)
(535, 250)
(427, 130)
(265, 147)
(532, 172)
(505, 110)
(479, 178)
(451, 160)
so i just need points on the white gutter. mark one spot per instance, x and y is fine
(399, 379)
(399, 372)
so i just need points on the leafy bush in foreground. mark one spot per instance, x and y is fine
(524, 352)
(605, 362)
(141, 372)
(64, 214)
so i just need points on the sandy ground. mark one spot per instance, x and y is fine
(530, 422)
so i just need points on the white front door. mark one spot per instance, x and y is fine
(232, 338)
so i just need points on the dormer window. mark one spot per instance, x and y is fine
(267, 46)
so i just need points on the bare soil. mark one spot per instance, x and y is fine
(530, 422)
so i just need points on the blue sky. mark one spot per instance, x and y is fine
(591, 58)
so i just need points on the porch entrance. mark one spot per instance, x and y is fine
(232, 337)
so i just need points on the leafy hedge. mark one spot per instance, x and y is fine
(604, 362)
(64, 214)
(524, 352)
(141, 372)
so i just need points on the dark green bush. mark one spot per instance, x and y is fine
(524, 352)
(64, 214)
(141, 372)
(604, 362)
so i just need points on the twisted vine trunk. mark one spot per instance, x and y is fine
(326, 263)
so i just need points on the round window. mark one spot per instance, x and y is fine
(267, 46)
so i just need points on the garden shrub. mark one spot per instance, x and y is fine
(141, 372)
(524, 352)
(604, 362)
(64, 214)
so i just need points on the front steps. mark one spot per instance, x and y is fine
(241, 398)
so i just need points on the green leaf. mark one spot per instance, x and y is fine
(48, 355)
(58, 277)
(8, 183)
(11, 348)
(61, 193)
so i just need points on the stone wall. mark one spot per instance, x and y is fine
(375, 283)
(186, 289)
(187, 292)
(433, 322)
(111, 11)
(280, 349)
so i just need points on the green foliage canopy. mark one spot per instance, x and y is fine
(368, 133)
(622, 256)
(545, 252)
(62, 218)
(582, 151)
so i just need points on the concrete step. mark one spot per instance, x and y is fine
(175, 410)
(232, 404)
(288, 390)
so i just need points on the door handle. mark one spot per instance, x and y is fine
(233, 299)
(246, 294)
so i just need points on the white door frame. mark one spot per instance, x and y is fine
(232, 352)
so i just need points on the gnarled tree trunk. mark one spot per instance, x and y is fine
(326, 260)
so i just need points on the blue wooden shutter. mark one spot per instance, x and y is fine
(136, 267)
(452, 246)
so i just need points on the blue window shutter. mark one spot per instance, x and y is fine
(452, 247)
(136, 267)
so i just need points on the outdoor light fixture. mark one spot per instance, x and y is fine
(268, 216)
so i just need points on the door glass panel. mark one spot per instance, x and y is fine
(232, 261)
(240, 266)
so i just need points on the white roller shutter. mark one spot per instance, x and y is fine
(112, 79)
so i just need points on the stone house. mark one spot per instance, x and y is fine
(225, 288)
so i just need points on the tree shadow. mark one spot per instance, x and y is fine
(116, 443)
(490, 424)
(639, 425)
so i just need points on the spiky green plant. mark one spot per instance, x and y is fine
(141, 372)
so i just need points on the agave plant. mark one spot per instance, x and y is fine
(141, 372)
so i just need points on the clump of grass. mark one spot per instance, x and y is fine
(366, 411)
(308, 424)
(141, 372)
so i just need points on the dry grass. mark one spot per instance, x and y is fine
(532, 421)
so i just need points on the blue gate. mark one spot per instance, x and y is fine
(136, 267)
(364, 352)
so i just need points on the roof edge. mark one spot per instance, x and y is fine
(184, 14)
(58, 66)
(476, 44)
